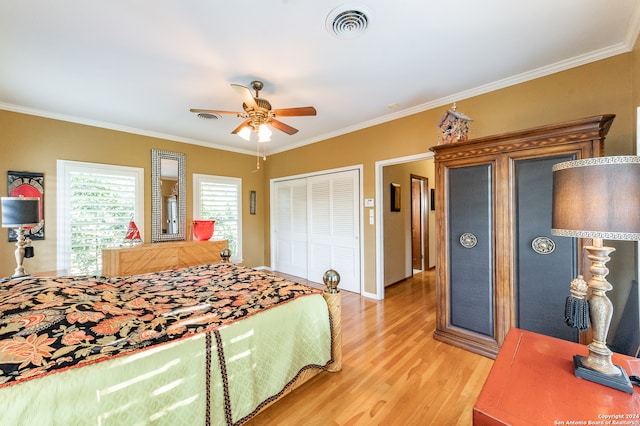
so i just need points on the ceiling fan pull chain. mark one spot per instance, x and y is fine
(257, 156)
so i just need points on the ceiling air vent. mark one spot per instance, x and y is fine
(348, 21)
(209, 116)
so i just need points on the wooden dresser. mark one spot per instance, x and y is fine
(154, 257)
(498, 266)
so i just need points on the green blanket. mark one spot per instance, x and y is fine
(218, 372)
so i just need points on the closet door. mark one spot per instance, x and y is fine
(291, 227)
(333, 213)
(545, 263)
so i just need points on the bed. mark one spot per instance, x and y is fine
(211, 344)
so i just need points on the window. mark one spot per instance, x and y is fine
(95, 204)
(219, 198)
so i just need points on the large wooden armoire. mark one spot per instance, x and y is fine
(497, 264)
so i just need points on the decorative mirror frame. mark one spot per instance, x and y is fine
(156, 196)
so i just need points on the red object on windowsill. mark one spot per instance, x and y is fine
(132, 233)
(202, 229)
(132, 238)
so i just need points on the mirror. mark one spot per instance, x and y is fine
(168, 199)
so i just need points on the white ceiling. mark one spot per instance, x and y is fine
(139, 66)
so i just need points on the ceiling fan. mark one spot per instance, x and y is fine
(258, 113)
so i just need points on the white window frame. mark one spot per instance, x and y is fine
(63, 201)
(198, 180)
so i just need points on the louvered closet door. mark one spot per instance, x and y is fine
(291, 227)
(334, 227)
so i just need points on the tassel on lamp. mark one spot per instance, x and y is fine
(576, 310)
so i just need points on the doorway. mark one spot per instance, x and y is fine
(419, 223)
(393, 227)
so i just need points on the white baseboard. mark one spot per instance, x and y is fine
(263, 268)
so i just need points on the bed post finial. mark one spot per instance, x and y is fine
(225, 254)
(333, 298)
(331, 279)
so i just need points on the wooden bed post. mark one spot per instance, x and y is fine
(333, 298)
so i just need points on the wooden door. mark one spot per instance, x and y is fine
(416, 224)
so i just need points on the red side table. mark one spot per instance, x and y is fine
(532, 383)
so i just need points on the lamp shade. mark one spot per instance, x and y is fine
(20, 211)
(597, 198)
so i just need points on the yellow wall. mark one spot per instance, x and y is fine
(636, 80)
(602, 87)
(33, 144)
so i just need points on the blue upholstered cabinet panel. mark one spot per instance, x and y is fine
(541, 280)
(471, 282)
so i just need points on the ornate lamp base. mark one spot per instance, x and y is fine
(620, 382)
(597, 367)
(19, 253)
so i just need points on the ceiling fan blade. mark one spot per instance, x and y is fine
(283, 127)
(237, 129)
(247, 97)
(293, 112)
(212, 111)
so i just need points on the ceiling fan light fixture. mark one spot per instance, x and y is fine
(257, 113)
(348, 21)
(245, 133)
(264, 133)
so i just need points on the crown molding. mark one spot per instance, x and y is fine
(632, 35)
(118, 127)
(486, 88)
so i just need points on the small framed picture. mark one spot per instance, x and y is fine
(252, 202)
(395, 197)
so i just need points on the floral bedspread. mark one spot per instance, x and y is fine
(50, 324)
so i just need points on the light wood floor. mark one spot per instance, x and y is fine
(394, 372)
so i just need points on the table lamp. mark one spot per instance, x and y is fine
(598, 198)
(132, 238)
(19, 212)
